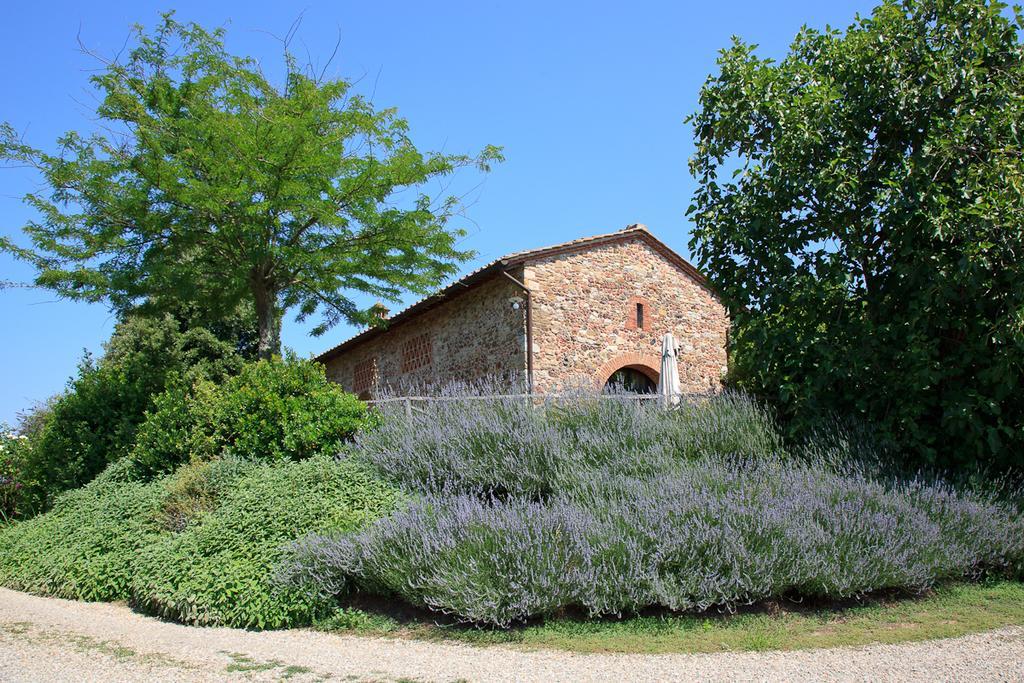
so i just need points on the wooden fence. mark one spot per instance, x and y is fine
(538, 399)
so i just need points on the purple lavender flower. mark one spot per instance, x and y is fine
(612, 506)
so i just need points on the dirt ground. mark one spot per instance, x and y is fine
(45, 639)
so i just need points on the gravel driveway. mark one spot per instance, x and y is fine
(45, 639)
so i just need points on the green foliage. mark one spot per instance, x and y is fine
(198, 488)
(95, 421)
(12, 449)
(198, 546)
(84, 548)
(949, 611)
(352, 619)
(217, 571)
(271, 411)
(222, 186)
(236, 325)
(277, 410)
(867, 242)
(178, 429)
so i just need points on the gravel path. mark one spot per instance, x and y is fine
(45, 639)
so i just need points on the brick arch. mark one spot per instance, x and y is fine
(646, 363)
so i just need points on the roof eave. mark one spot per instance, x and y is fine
(421, 306)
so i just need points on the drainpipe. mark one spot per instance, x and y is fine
(529, 331)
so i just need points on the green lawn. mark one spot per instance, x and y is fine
(948, 611)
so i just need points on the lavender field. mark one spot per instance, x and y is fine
(521, 511)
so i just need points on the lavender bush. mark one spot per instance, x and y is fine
(516, 446)
(715, 534)
(612, 507)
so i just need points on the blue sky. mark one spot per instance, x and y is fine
(588, 100)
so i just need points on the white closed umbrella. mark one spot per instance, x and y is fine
(668, 381)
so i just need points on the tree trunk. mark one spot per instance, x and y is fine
(268, 321)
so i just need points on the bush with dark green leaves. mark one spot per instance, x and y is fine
(271, 411)
(12, 447)
(192, 522)
(85, 548)
(858, 209)
(217, 571)
(198, 546)
(96, 420)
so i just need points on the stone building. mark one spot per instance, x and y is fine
(592, 310)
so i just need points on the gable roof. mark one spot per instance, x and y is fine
(495, 267)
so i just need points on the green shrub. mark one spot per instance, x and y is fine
(217, 571)
(12, 448)
(178, 430)
(271, 411)
(85, 547)
(196, 489)
(199, 545)
(285, 410)
(95, 421)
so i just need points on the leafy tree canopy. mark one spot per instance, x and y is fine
(860, 210)
(211, 185)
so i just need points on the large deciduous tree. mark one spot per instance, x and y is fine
(208, 184)
(860, 210)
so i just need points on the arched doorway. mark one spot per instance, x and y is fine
(632, 380)
(631, 371)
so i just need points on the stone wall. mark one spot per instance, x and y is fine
(585, 317)
(474, 334)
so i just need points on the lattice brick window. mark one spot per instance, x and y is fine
(364, 375)
(417, 353)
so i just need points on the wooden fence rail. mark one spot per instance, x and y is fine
(408, 401)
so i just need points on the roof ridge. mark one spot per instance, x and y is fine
(632, 227)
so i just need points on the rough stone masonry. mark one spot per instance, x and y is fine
(588, 307)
